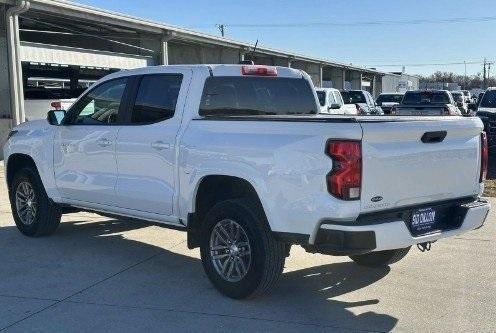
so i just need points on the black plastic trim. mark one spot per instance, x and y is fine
(392, 215)
(433, 137)
(343, 243)
(291, 238)
(310, 119)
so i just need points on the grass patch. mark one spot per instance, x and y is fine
(490, 188)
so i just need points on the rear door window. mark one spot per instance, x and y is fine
(246, 96)
(156, 98)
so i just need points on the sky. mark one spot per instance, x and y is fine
(340, 30)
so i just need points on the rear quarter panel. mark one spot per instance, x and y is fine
(284, 161)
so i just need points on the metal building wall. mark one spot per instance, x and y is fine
(5, 112)
(390, 82)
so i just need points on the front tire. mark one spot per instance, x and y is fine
(380, 258)
(239, 254)
(34, 213)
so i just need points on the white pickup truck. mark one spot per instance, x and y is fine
(237, 156)
(331, 102)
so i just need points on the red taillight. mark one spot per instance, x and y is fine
(57, 105)
(484, 157)
(259, 70)
(345, 179)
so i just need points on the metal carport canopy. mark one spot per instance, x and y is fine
(55, 54)
(69, 8)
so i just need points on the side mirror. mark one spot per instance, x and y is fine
(334, 106)
(472, 106)
(56, 117)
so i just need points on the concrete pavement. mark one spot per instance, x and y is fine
(102, 274)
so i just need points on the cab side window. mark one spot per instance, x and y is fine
(101, 105)
(156, 98)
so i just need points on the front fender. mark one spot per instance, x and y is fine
(35, 139)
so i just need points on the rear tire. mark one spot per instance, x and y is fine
(380, 258)
(34, 213)
(247, 237)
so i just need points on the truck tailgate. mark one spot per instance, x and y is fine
(401, 170)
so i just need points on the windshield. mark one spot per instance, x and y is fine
(426, 97)
(389, 98)
(489, 99)
(321, 95)
(244, 96)
(353, 97)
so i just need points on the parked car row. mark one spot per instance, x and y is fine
(411, 103)
(351, 102)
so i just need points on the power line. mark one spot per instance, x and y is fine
(432, 64)
(360, 23)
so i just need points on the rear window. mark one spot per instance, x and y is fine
(353, 97)
(489, 99)
(243, 96)
(458, 97)
(426, 97)
(393, 98)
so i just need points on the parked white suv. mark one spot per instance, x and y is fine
(331, 102)
(238, 157)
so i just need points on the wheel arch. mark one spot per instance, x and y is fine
(15, 162)
(226, 187)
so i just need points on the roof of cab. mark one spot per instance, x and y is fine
(214, 69)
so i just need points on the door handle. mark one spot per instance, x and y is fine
(433, 137)
(160, 145)
(104, 142)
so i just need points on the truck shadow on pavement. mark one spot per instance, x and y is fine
(109, 263)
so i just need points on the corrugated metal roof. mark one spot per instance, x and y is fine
(93, 13)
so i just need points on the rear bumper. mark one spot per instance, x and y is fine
(338, 239)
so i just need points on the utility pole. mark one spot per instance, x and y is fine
(484, 75)
(221, 28)
(465, 64)
(489, 70)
